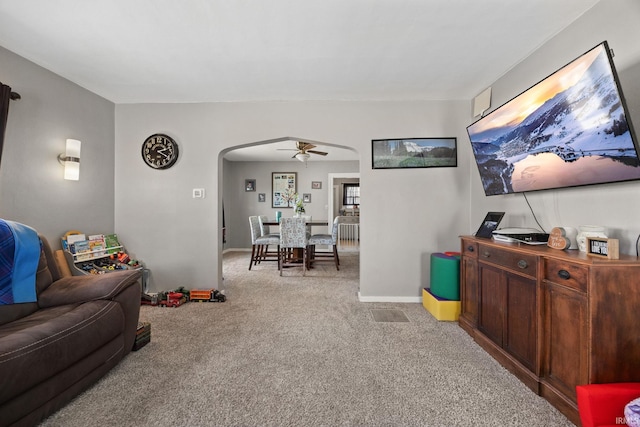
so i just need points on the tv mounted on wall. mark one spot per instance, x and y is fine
(570, 129)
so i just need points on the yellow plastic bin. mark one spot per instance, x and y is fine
(441, 309)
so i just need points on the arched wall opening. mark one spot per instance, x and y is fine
(313, 180)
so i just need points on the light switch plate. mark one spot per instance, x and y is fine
(198, 193)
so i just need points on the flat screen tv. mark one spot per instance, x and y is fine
(570, 129)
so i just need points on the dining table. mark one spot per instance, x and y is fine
(310, 223)
(297, 252)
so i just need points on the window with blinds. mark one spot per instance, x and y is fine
(351, 195)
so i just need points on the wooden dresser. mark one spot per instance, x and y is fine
(553, 318)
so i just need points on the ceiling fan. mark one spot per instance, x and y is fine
(303, 149)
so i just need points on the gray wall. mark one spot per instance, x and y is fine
(32, 190)
(406, 214)
(615, 206)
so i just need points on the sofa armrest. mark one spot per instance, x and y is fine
(78, 289)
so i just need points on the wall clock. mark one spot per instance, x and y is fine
(159, 151)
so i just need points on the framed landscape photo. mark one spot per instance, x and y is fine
(407, 153)
(283, 189)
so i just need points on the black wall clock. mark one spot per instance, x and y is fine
(160, 151)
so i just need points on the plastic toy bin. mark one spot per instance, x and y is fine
(445, 275)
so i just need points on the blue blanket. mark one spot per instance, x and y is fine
(19, 257)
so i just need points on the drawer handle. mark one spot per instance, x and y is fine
(523, 264)
(564, 274)
(487, 254)
(470, 248)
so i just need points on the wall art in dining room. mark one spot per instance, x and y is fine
(283, 189)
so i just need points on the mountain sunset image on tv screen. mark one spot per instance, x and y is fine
(570, 129)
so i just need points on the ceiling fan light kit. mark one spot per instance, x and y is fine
(303, 149)
(303, 157)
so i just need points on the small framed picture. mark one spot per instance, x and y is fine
(262, 197)
(316, 185)
(249, 185)
(603, 247)
(306, 198)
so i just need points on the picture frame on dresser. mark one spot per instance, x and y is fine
(603, 248)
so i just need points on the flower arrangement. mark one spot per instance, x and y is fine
(294, 200)
(299, 207)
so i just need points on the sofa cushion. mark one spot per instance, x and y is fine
(38, 346)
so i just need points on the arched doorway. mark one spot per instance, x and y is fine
(239, 165)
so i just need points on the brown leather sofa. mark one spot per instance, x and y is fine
(53, 349)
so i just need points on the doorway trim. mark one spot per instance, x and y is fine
(331, 178)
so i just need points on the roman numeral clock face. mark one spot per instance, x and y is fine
(160, 151)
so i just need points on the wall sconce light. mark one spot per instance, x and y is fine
(71, 160)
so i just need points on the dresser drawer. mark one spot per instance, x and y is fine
(469, 248)
(526, 264)
(565, 274)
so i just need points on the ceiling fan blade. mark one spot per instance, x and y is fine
(303, 146)
(286, 149)
(322, 153)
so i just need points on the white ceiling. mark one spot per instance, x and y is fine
(283, 149)
(150, 51)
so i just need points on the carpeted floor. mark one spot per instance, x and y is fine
(302, 351)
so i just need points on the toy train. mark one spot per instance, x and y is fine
(164, 299)
(211, 295)
(175, 299)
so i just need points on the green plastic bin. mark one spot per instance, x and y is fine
(445, 276)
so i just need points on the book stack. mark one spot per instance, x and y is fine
(143, 335)
(96, 245)
(112, 243)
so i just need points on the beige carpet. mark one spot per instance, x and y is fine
(302, 351)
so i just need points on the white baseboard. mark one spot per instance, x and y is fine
(390, 299)
(236, 250)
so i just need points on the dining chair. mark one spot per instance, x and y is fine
(326, 239)
(259, 242)
(265, 230)
(293, 235)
